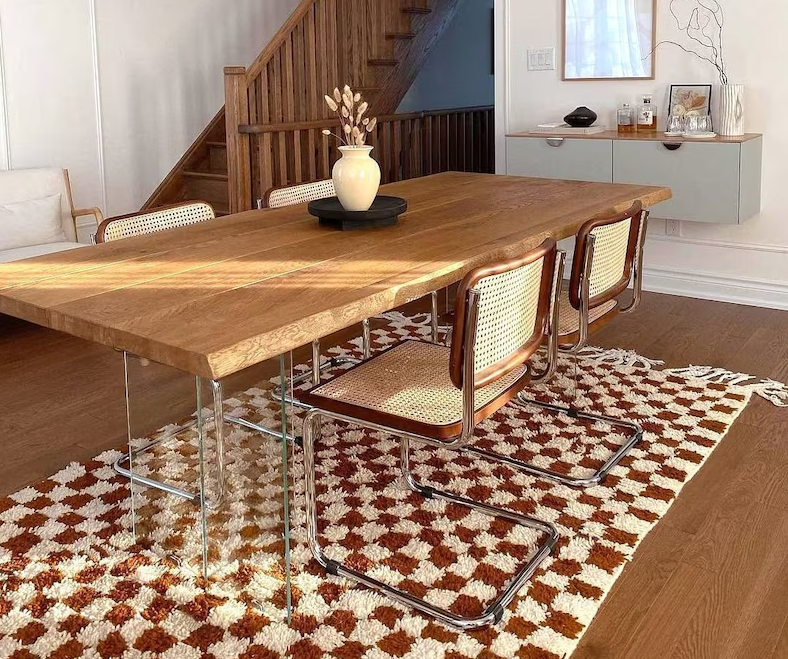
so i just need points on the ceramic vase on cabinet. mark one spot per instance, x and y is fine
(731, 119)
(356, 178)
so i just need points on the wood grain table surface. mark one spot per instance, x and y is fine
(214, 298)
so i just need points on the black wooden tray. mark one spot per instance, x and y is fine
(384, 212)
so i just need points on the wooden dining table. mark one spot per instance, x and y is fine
(214, 298)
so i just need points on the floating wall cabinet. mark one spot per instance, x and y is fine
(716, 180)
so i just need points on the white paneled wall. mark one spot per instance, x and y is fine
(745, 263)
(117, 91)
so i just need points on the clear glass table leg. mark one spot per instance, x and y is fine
(208, 464)
(285, 387)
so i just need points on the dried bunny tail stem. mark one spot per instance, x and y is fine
(337, 95)
(328, 133)
(331, 103)
(372, 123)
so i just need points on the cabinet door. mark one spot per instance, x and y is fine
(572, 159)
(704, 177)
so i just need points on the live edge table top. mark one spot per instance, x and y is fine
(214, 298)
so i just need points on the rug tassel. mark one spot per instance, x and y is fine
(775, 392)
(618, 357)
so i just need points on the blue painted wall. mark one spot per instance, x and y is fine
(458, 72)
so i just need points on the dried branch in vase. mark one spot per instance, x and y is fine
(702, 21)
(353, 122)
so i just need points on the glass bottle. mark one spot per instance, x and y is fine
(625, 119)
(647, 115)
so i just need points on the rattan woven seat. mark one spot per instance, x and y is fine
(290, 195)
(569, 317)
(409, 388)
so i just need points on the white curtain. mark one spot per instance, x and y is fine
(607, 39)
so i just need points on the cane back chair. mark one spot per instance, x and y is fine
(299, 194)
(608, 256)
(432, 394)
(138, 224)
(157, 219)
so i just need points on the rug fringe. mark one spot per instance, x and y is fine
(618, 357)
(775, 392)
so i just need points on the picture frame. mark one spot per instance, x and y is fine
(689, 98)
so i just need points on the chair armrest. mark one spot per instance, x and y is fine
(80, 212)
(95, 212)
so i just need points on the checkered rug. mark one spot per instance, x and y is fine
(73, 582)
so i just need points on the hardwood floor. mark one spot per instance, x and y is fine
(708, 583)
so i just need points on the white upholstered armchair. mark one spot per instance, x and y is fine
(37, 214)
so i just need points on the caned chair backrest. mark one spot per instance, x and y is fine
(299, 194)
(513, 310)
(616, 240)
(158, 219)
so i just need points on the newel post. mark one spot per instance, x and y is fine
(236, 112)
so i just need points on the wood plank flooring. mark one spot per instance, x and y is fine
(710, 582)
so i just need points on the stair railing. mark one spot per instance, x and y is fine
(406, 146)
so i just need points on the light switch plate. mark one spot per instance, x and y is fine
(541, 60)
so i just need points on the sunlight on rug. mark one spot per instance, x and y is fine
(74, 584)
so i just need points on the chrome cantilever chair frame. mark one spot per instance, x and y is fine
(633, 430)
(312, 430)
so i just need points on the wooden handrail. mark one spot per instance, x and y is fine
(275, 44)
(406, 145)
(259, 129)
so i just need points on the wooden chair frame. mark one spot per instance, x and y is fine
(80, 212)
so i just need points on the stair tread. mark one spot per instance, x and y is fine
(207, 175)
(383, 62)
(222, 145)
(400, 35)
(416, 10)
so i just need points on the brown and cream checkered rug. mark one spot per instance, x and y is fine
(73, 583)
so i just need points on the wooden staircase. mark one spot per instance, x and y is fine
(376, 46)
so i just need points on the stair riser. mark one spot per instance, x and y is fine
(217, 159)
(214, 192)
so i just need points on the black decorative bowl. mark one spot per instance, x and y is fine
(384, 212)
(581, 117)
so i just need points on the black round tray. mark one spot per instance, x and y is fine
(384, 212)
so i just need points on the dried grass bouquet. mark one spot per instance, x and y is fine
(351, 110)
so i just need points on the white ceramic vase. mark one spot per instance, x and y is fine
(731, 118)
(356, 178)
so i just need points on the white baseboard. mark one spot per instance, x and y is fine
(706, 286)
(738, 290)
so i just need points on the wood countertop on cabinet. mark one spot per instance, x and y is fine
(642, 137)
(214, 298)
